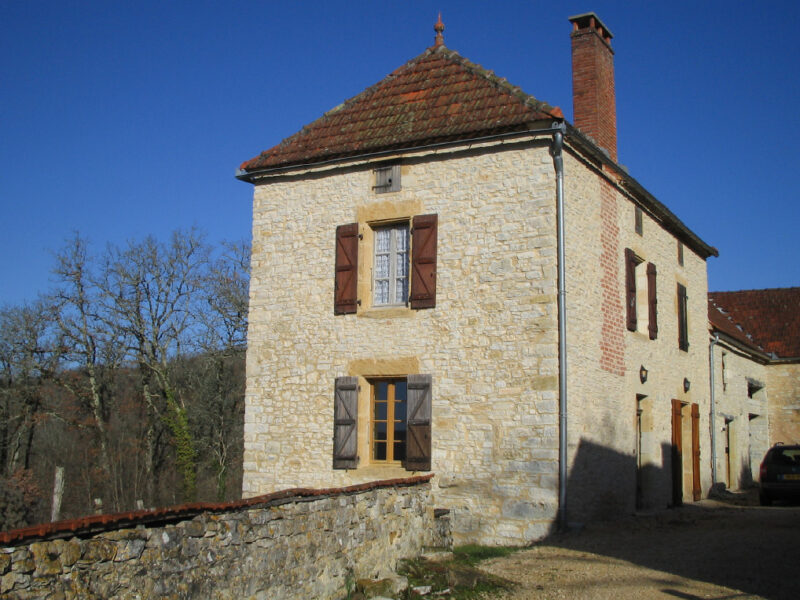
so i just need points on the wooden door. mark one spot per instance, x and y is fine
(696, 491)
(677, 453)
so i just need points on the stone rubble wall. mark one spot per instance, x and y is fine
(290, 547)
(490, 344)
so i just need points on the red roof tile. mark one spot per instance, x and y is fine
(438, 96)
(769, 319)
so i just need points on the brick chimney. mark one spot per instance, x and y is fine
(594, 102)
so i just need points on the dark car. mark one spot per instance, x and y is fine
(779, 476)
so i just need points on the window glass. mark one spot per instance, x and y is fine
(391, 265)
(389, 413)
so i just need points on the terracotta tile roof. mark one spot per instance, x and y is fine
(438, 96)
(767, 319)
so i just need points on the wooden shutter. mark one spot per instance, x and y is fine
(345, 423)
(630, 288)
(652, 301)
(346, 289)
(423, 261)
(696, 489)
(677, 453)
(683, 325)
(418, 448)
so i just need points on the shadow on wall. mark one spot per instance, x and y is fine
(606, 484)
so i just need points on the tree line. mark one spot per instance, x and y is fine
(129, 375)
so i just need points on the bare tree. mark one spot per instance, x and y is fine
(93, 345)
(149, 290)
(223, 346)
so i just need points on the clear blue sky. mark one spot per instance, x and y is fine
(122, 119)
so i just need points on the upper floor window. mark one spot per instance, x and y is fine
(680, 253)
(638, 221)
(403, 265)
(391, 265)
(683, 318)
(640, 294)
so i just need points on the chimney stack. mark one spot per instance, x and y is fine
(594, 102)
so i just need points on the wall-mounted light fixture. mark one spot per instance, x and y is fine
(686, 384)
(642, 374)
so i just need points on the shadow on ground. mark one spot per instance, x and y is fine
(727, 540)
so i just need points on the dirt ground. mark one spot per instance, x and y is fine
(715, 549)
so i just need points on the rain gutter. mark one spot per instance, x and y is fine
(249, 176)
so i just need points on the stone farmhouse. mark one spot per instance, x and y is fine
(448, 277)
(755, 378)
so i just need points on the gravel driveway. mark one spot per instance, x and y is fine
(709, 549)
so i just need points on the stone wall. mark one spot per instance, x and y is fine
(490, 344)
(742, 418)
(783, 385)
(295, 544)
(608, 446)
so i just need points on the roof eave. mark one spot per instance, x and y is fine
(544, 126)
(670, 221)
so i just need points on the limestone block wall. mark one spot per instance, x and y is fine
(293, 545)
(490, 344)
(783, 383)
(742, 419)
(614, 449)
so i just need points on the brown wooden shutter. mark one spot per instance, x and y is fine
(345, 423)
(630, 288)
(423, 261)
(346, 284)
(696, 489)
(683, 325)
(418, 448)
(652, 301)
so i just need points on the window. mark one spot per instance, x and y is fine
(404, 269)
(637, 220)
(390, 268)
(680, 253)
(724, 371)
(683, 325)
(631, 262)
(387, 179)
(388, 424)
(639, 282)
(399, 420)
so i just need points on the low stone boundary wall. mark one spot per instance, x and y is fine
(291, 544)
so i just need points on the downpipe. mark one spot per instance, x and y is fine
(713, 416)
(558, 163)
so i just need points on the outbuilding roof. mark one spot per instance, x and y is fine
(768, 319)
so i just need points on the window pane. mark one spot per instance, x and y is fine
(400, 391)
(379, 451)
(401, 291)
(383, 240)
(401, 238)
(382, 266)
(381, 389)
(382, 292)
(400, 450)
(380, 431)
(400, 412)
(380, 411)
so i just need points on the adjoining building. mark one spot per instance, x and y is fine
(449, 277)
(755, 378)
